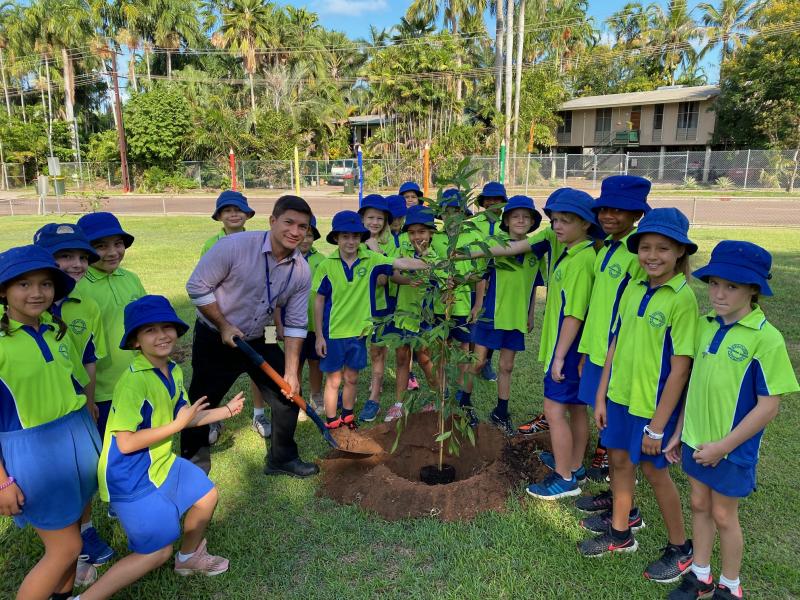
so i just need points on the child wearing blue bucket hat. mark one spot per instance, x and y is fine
(622, 202)
(344, 308)
(741, 370)
(411, 193)
(49, 443)
(233, 211)
(73, 253)
(147, 485)
(642, 385)
(502, 316)
(112, 287)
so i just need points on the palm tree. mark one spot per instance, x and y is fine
(673, 33)
(410, 27)
(630, 25)
(727, 25)
(175, 22)
(7, 13)
(496, 6)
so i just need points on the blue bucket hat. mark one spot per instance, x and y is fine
(624, 192)
(451, 198)
(576, 202)
(232, 198)
(347, 221)
(377, 202)
(55, 237)
(419, 215)
(103, 224)
(410, 186)
(493, 189)
(669, 222)
(741, 262)
(521, 202)
(146, 311)
(313, 225)
(24, 259)
(397, 206)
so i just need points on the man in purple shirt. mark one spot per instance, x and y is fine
(237, 286)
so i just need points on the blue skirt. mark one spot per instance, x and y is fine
(727, 478)
(498, 339)
(590, 381)
(55, 467)
(624, 431)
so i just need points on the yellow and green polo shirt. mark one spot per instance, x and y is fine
(209, 243)
(614, 268)
(462, 306)
(85, 330)
(36, 381)
(654, 324)
(112, 293)
(411, 300)
(569, 288)
(143, 399)
(350, 292)
(313, 258)
(733, 365)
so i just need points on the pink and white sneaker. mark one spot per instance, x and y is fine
(201, 563)
(413, 384)
(394, 413)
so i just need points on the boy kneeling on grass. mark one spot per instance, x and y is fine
(148, 486)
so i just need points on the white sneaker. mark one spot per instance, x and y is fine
(85, 572)
(214, 430)
(395, 412)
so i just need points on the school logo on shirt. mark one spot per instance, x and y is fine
(63, 350)
(657, 319)
(78, 326)
(738, 352)
(558, 275)
(361, 271)
(615, 270)
(532, 260)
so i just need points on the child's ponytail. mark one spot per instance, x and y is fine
(62, 327)
(5, 324)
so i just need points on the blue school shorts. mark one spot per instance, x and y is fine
(153, 520)
(498, 339)
(55, 467)
(727, 478)
(564, 392)
(462, 330)
(103, 410)
(590, 381)
(624, 431)
(309, 349)
(346, 352)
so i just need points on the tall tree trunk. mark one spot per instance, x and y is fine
(132, 71)
(5, 85)
(518, 83)
(169, 64)
(509, 74)
(459, 80)
(147, 62)
(22, 102)
(499, 33)
(49, 106)
(69, 98)
(252, 95)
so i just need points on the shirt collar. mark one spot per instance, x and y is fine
(267, 249)
(363, 252)
(676, 283)
(96, 274)
(141, 363)
(624, 241)
(753, 320)
(579, 247)
(45, 320)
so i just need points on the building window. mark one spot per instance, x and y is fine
(688, 114)
(658, 122)
(636, 118)
(564, 131)
(602, 126)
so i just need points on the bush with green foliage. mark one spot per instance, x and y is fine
(156, 179)
(103, 147)
(158, 126)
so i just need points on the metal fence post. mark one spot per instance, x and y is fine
(527, 172)
(565, 167)
(594, 172)
(694, 210)
(686, 168)
(627, 158)
(746, 169)
(291, 176)
(316, 170)
(108, 172)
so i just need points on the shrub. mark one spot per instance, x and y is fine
(156, 179)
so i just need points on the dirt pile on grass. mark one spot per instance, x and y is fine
(388, 483)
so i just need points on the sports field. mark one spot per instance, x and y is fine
(285, 542)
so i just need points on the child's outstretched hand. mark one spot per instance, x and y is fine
(187, 414)
(236, 404)
(11, 500)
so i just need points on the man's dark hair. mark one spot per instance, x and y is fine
(290, 202)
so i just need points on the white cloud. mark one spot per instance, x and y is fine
(351, 8)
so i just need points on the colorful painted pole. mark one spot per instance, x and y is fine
(296, 171)
(426, 170)
(503, 162)
(232, 159)
(360, 176)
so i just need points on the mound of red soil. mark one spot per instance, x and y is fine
(388, 483)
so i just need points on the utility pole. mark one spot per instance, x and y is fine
(123, 147)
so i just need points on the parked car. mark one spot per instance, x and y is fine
(340, 173)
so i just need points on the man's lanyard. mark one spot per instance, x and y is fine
(271, 310)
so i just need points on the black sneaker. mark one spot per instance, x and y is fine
(723, 593)
(601, 522)
(606, 544)
(692, 588)
(598, 503)
(598, 470)
(503, 423)
(672, 564)
(471, 416)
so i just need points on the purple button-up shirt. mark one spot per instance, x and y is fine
(234, 275)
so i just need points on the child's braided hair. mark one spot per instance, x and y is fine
(5, 322)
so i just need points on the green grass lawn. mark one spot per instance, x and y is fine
(285, 542)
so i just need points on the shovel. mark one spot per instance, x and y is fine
(344, 440)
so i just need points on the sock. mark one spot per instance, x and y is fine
(702, 573)
(502, 408)
(731, 584)
(85, 526)
(600, 446)
(466, 399)
(61, 596)
(620, 535)
(686, 547)
(346, 412)
(331, 419)
(257, 412)
(184, 557)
